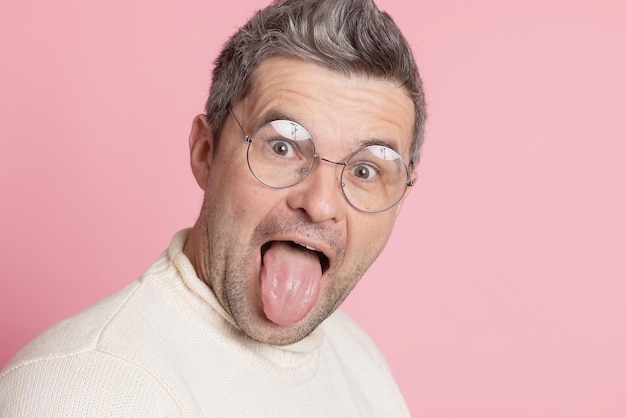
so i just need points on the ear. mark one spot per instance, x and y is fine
(413, 181)
(413, 176)
(201, 149)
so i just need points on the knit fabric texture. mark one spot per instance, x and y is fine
(164, 347)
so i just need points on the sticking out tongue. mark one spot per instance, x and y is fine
(290, 282)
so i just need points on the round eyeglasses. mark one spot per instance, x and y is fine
(281, 154)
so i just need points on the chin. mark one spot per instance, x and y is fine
(266, 331)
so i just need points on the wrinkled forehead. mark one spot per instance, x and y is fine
(329, 104)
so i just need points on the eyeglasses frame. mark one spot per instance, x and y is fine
(248, 138)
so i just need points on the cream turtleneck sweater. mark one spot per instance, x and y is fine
(164, 346)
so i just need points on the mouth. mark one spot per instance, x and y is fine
(290, 279)
(323, 258)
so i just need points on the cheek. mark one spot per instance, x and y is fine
(368, 234)
(226, 182)
(241, 198)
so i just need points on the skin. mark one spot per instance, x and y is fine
(239, 214)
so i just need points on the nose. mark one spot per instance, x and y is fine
(319, 195)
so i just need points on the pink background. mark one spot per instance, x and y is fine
(502, 292)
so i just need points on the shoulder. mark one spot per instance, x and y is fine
(71, 369)
(82, 383)
(76, 334)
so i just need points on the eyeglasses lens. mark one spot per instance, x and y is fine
(282, 153)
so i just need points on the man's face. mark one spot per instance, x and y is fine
(282, 260)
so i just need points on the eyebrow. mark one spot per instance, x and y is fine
(273, 115)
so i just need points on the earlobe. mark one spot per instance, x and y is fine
(406, 193)
(200, 149)
(413, 177)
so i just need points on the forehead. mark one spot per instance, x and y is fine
(339, 111)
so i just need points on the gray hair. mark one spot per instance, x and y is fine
(352, 37)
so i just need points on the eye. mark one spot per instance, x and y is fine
(282, 148)
(364, 171)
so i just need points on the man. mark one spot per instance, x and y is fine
(309, 144)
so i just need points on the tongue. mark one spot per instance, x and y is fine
(290, 282)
